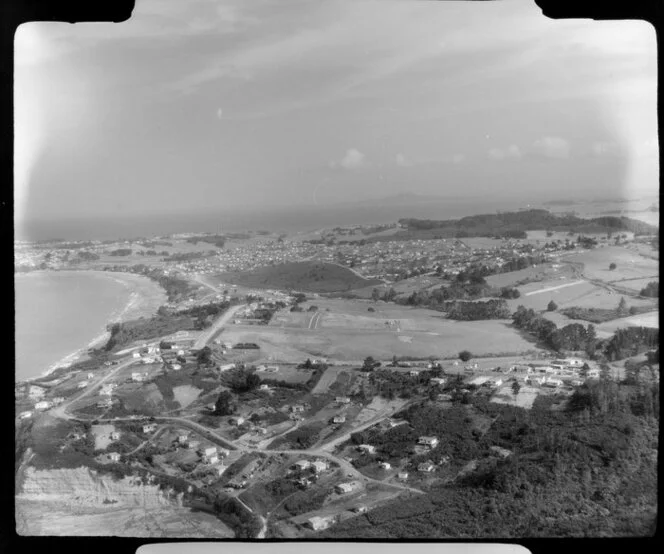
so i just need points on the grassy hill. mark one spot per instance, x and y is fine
(299, 276)
(517, 223)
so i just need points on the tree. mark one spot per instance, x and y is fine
(516, 387)
(369, 364)
(375, 295)
(204, 356)
(612, 266)
(622, 306)
(551, 306)
(465, 355)
(224, 404)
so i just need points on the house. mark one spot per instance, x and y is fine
(82, 385)
(575, 362)
(384, 465)
(318, 523)
(211, 460)
(553, 383)
(592, 373)
(344, 488)
(42, 405)
(57, 400)
(342, 400)
(90, 375)
(183, 439)
(226, 367)
(264, 387)
(193, 445)
(339, 419)
(438, 381)
(114, 456)
(367, 448)
(297, 408)
(302, 464)
(426, 467)
(236, 420)
(403, 475)
(36, 392)
(319, 466)
(24, 415)
(413, 372)
(136, 354)
(106, 403)
(576, 382)
(115, 436)
(502, 452)
(360, 509)
(136, 377)
(149, 428)
(223, 452)
(431, 442)
(176, 367)
(208, 451)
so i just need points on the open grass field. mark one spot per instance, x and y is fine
(185, 394)
(650, 319)
(288, 373)
(544, 272)
(629, 264)
(524, 399)
(299, 276)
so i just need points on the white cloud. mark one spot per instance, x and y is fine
(353, 159)
(458, 158)
(219, 113)
(402, 161)
(511, 151)
(552, 147)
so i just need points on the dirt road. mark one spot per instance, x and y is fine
(207, 335)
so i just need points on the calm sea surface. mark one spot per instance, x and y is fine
(58, 313)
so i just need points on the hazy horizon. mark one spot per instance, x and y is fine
(200, 106)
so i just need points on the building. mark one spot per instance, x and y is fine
(114, 456)
(208, 451)
(82, 385)
(226, 367)
(58, 400)
(136, 355)
(183, 438)
(339, 419)
(90, 375)
(237, 420)
(36, 392)
(344, 488)
(361, 509)
(211, 460)
(431, 442)
(342, 400)
(298, 408)
(318, 523)
(438, 381)
(149, 427)
(592, 373)
(176, 367)
(264, 387)
(42, 405)
(136, 377)
(302, 464)
(193, 445)
(403, 475)
(553, 383)
(319, 466)
(24, 415)
(106, 403)
(385, 465)
(367, 448)
(413, 372)
(426, 467)
(115, 435)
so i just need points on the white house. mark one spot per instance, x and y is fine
(82, 385)
(553, 383)
(302, 464)
(226, 367)
(426, 467)
(183, 439)
(136, 377)
(575, 362)
(149, 427)
(318, 523)
(42, 405)
(339, 419)
(342, 400)
(368, 448)
(344, 488)
(58, 400)
(115, 436)
(297, 408)
(385, 465)
(403, 475)
(319, 466)
(237, 420)
(208, 451)
(114, 456)
(439, 381)
(211, 460)
(136, 354)
(264, 387)
(431, 442)
(176, 367)
(413, 372)
(592, 373)
(106, 403)
(24, 415)
(90, 375)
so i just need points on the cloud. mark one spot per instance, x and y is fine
(219, 113)
(511, 151)
(551, 147)
(458, 158)
(402, 161)
(353, 159)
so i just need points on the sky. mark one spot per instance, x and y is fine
(204, 105)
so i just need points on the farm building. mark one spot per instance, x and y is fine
(115, 435)
(114, 456)
(344, 488)
(431, 442)
(368, 448)
(339, 419)
(237, 420)
(426, 467)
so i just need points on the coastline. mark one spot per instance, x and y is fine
(144, 301)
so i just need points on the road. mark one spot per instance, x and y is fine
(207, 335)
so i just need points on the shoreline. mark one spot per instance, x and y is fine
(144, 301)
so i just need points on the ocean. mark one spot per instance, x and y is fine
(60, 313)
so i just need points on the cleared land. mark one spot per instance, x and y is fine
(629, 264)
(650, 319)
(299, 276)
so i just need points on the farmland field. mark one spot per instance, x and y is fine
(524, 399)
(544, 272)
(288, 373)
(629, 264)
(650, 319)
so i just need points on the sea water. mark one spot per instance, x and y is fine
(59, 313)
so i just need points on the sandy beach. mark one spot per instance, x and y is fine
(144, 300)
